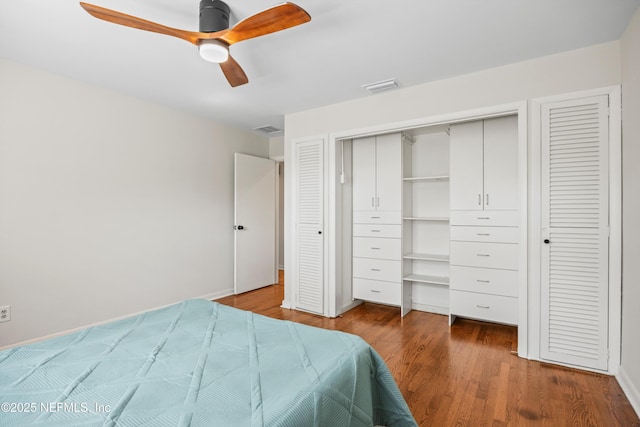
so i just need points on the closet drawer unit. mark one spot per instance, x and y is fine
(376, 247)
(377, 291)
(377, 217)
(492, 308)
(484, 234)
(484, 280)
(377, 269)
(490, 218)
(485, 255)
(373, 230)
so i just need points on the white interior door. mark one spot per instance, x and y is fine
(255, 223)
(575, 229)
(309, 205)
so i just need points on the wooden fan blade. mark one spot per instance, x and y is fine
(141, 24)
(269, 21)
(233, 72)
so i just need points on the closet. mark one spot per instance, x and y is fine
(484, 220)
(435, 219)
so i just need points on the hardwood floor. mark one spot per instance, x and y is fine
(465, 375)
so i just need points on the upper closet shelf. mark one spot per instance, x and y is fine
(427, 178)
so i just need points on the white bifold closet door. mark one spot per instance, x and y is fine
(575, 230)
(309, 197)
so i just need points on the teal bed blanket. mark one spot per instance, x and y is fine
(199, 363)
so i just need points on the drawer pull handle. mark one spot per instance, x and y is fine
(484, 217)
(375, 249)
(375, 269)
(485, 255)
(375, 217)
(483, 281)
(484, 234)
(483, 306)
(375, 291)
(375, 231)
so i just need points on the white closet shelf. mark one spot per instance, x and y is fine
(422, 278)
(427, 178)
(426, 218)
(427, 257)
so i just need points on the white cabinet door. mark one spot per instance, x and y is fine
(389, 172)
(466, 167)
(501, 164)
(364, 174)
(575, 226)
(309, 205)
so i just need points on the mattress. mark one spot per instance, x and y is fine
(199, 363)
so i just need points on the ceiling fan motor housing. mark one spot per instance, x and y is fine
(214, 16)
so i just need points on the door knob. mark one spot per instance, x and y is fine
(547, 241)
(240, 227)
(319, 232)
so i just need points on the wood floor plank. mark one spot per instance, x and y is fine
(466, 374)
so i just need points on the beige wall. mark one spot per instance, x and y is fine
(630, 52)
(108, 205)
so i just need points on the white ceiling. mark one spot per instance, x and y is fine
(346, 44)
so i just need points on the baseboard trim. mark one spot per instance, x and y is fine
(217, 295)
(209, 297)
(629, 389)
(285, 304)
(430, 308)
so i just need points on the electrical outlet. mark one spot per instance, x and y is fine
(5, 313)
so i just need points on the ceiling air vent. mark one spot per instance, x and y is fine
(271, 130)
(381, 85)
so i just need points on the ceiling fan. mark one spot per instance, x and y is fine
(215, 36)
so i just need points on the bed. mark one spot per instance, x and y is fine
(199, 363)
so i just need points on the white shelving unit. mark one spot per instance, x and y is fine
(425, 258)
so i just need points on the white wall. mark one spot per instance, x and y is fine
(108, 205)
(630, 53)
(276, 148)
(588, 68)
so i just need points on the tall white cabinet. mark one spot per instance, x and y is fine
(484, 247)
(377, 220)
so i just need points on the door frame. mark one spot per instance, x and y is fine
(333, 221)
(615, 221)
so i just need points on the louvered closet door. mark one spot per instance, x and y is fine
(575, 223)
(309, 289)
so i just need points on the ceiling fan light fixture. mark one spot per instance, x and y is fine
(213, 51)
